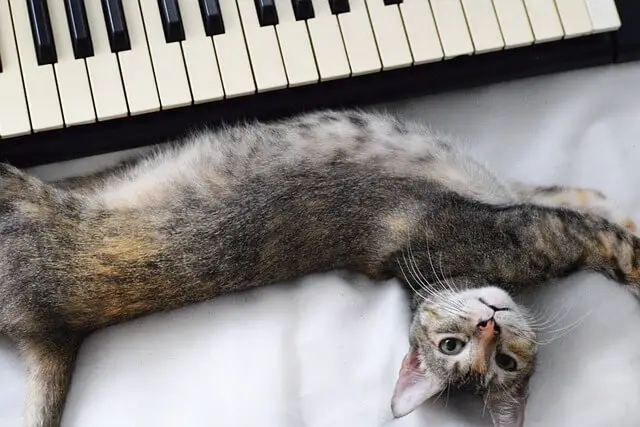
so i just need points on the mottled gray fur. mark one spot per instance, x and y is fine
(262, 203)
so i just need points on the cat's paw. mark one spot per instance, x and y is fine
(629, 224)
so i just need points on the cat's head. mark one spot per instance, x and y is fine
(477, 339)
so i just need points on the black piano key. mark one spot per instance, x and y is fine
(171, 20)
(390, 2)
(42, 32)
(79, 28)
(212, 17)
(116, 25)
(267, 14)
(303, 9)
(339, 6)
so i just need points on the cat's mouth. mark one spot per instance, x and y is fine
(493, 307)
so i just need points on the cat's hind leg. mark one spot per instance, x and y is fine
(584, 200)
(50, 364)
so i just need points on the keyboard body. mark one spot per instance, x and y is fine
(396, 83)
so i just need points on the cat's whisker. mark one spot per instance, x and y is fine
(413, 260)
(408, 279)
(451, 306)
(542, 319)
(533, 323)
(447, 287)
(508, 394)
(439, 395)
(444, 277)
(561, 332)
(486, 400)
(409, 282)
(431, 264)
(548, 319)
(452, 311)
(455, 307)
(524, 336)
(423, 283)
(407, 258)
(419, 274)
(553, 320)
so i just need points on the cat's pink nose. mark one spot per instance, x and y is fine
(486, 336)
(488, 327)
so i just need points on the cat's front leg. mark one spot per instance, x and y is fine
(524, 244)
(585, 200)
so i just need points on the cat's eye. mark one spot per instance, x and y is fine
(451, 346)
(506, 362)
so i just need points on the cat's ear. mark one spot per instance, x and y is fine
(413, 386)
(507, 409)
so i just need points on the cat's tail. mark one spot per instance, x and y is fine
(49, 365)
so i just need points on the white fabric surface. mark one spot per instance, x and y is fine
(325, 351)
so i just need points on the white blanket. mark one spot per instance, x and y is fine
(325, 351)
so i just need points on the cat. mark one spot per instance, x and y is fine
(258, 203)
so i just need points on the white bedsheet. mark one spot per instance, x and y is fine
(325, 351)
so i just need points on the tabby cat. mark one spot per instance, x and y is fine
(259, 203)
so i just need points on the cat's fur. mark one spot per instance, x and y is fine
(262, 203)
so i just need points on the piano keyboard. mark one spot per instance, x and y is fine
(80, 77)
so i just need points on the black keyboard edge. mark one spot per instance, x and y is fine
(388, 86)
(627, 38)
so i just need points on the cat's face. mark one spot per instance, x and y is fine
(476, 338)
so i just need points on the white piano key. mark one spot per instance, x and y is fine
(483, 25)
(390, 36)
(14, 116)
(359, 41)
(39, 81)
(604, 15)
(135, 64)
(452, 27)
(575, 18)
(71, 73)
(199, 56)
(544, 19)
(514, 23)
(166, 58)
(422, 33)
(104, 73)
(233, 58)
(326, 40)
(264, 50)
(299, 63)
